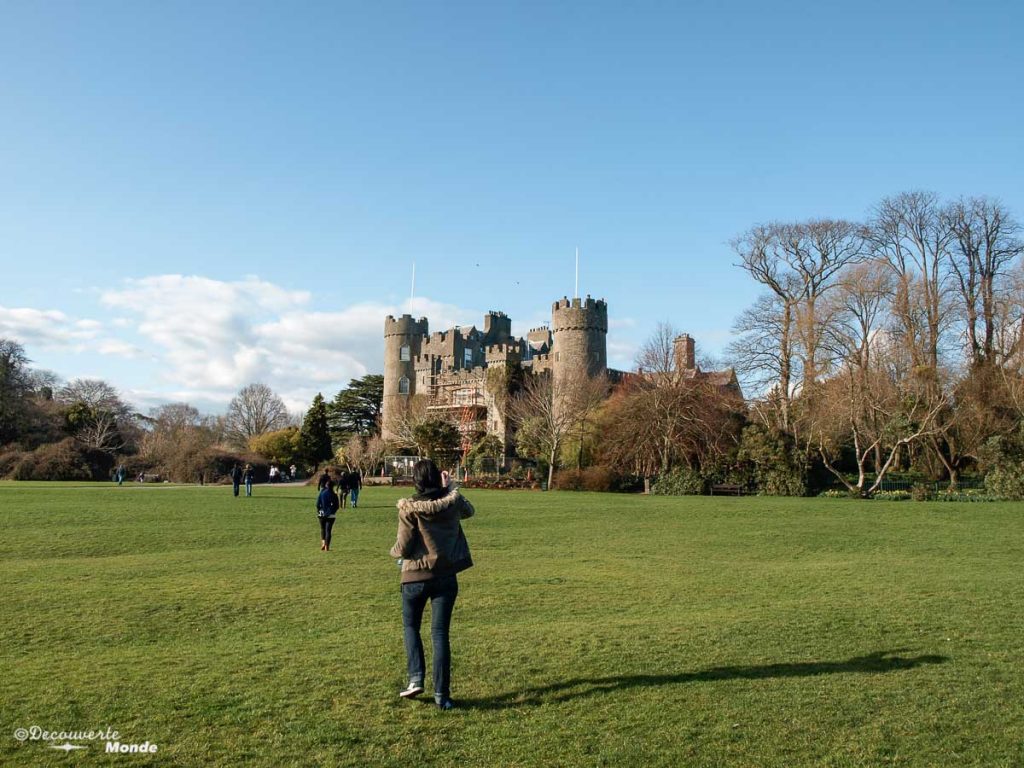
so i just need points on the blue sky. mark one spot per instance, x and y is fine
(197, 195)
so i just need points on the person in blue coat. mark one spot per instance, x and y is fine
(326, 510)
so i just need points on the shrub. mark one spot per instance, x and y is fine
(775, 463)
(892, 495)
(599, 478)
(217, 466)
(1006, 481)
(681, 481)
(9, 460)
(66, 460)
(569, 480)
(921, 492)
(835, 493)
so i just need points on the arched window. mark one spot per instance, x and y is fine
(404, 354)
(403, 385)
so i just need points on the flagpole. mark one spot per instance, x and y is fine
(412, 291)
(576, 293)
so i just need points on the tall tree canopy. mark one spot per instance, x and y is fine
(315, 439)
(355, 410)
(256, 409)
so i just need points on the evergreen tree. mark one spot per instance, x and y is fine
(355, 410)
(315, 439)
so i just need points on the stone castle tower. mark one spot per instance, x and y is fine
(403, 338)
(579, 331)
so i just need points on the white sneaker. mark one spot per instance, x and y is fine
(414, 690)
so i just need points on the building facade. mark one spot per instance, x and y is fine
(462, 373)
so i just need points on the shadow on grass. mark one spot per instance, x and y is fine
(580, 687)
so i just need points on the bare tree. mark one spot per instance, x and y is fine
(798, 264)
(96, 414)
(254, 411)
(373, 453)
(763, 352)
(657, 356)
(985, 244)
(405, 417)
(178, 440)
(874, 410)
(547, 416)
(910, 232)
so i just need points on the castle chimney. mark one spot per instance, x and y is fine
(685, 356)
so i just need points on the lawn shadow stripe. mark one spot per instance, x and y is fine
(880, 661)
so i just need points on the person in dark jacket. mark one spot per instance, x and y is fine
(326, 509)
(432, 549)
(236, 477)
(323, 480)
(343, 488)
(355, 483)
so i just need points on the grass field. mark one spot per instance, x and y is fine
(594, 630)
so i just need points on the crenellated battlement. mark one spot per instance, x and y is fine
(579, 315)
(589, 304)
(405, 326)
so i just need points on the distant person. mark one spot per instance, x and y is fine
(119, 474)
(273, 474)
(293, 469)
(344, 487)
(325, 478)
(355, 483)
(326, 509)
(236, 477)
(431, 549)
(247, 477)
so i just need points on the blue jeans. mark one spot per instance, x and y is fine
(235, 485)
(354, 495)
(248, 487)
(441, 591)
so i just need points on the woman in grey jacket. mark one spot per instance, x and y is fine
(432, 549)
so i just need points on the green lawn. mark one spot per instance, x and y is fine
(594, 630)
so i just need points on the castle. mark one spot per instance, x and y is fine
(457, 369)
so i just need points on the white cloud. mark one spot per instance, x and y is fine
(49, 328)
(213, 337)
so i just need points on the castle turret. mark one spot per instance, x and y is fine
(579, 331)
(685, 353)
(403, 338)
(497, 328)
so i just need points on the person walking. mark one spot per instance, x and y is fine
(236, 477)
(431, 549)
(293, 469)
(119, 474)
(355, 483)
(248, 476)
(326, 510)
(343, 488)
(323, 480)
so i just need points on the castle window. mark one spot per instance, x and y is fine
(404, 354)
(403, 385)
(467, 358)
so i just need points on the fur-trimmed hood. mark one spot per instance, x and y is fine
(430, 508)
(430, 540)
